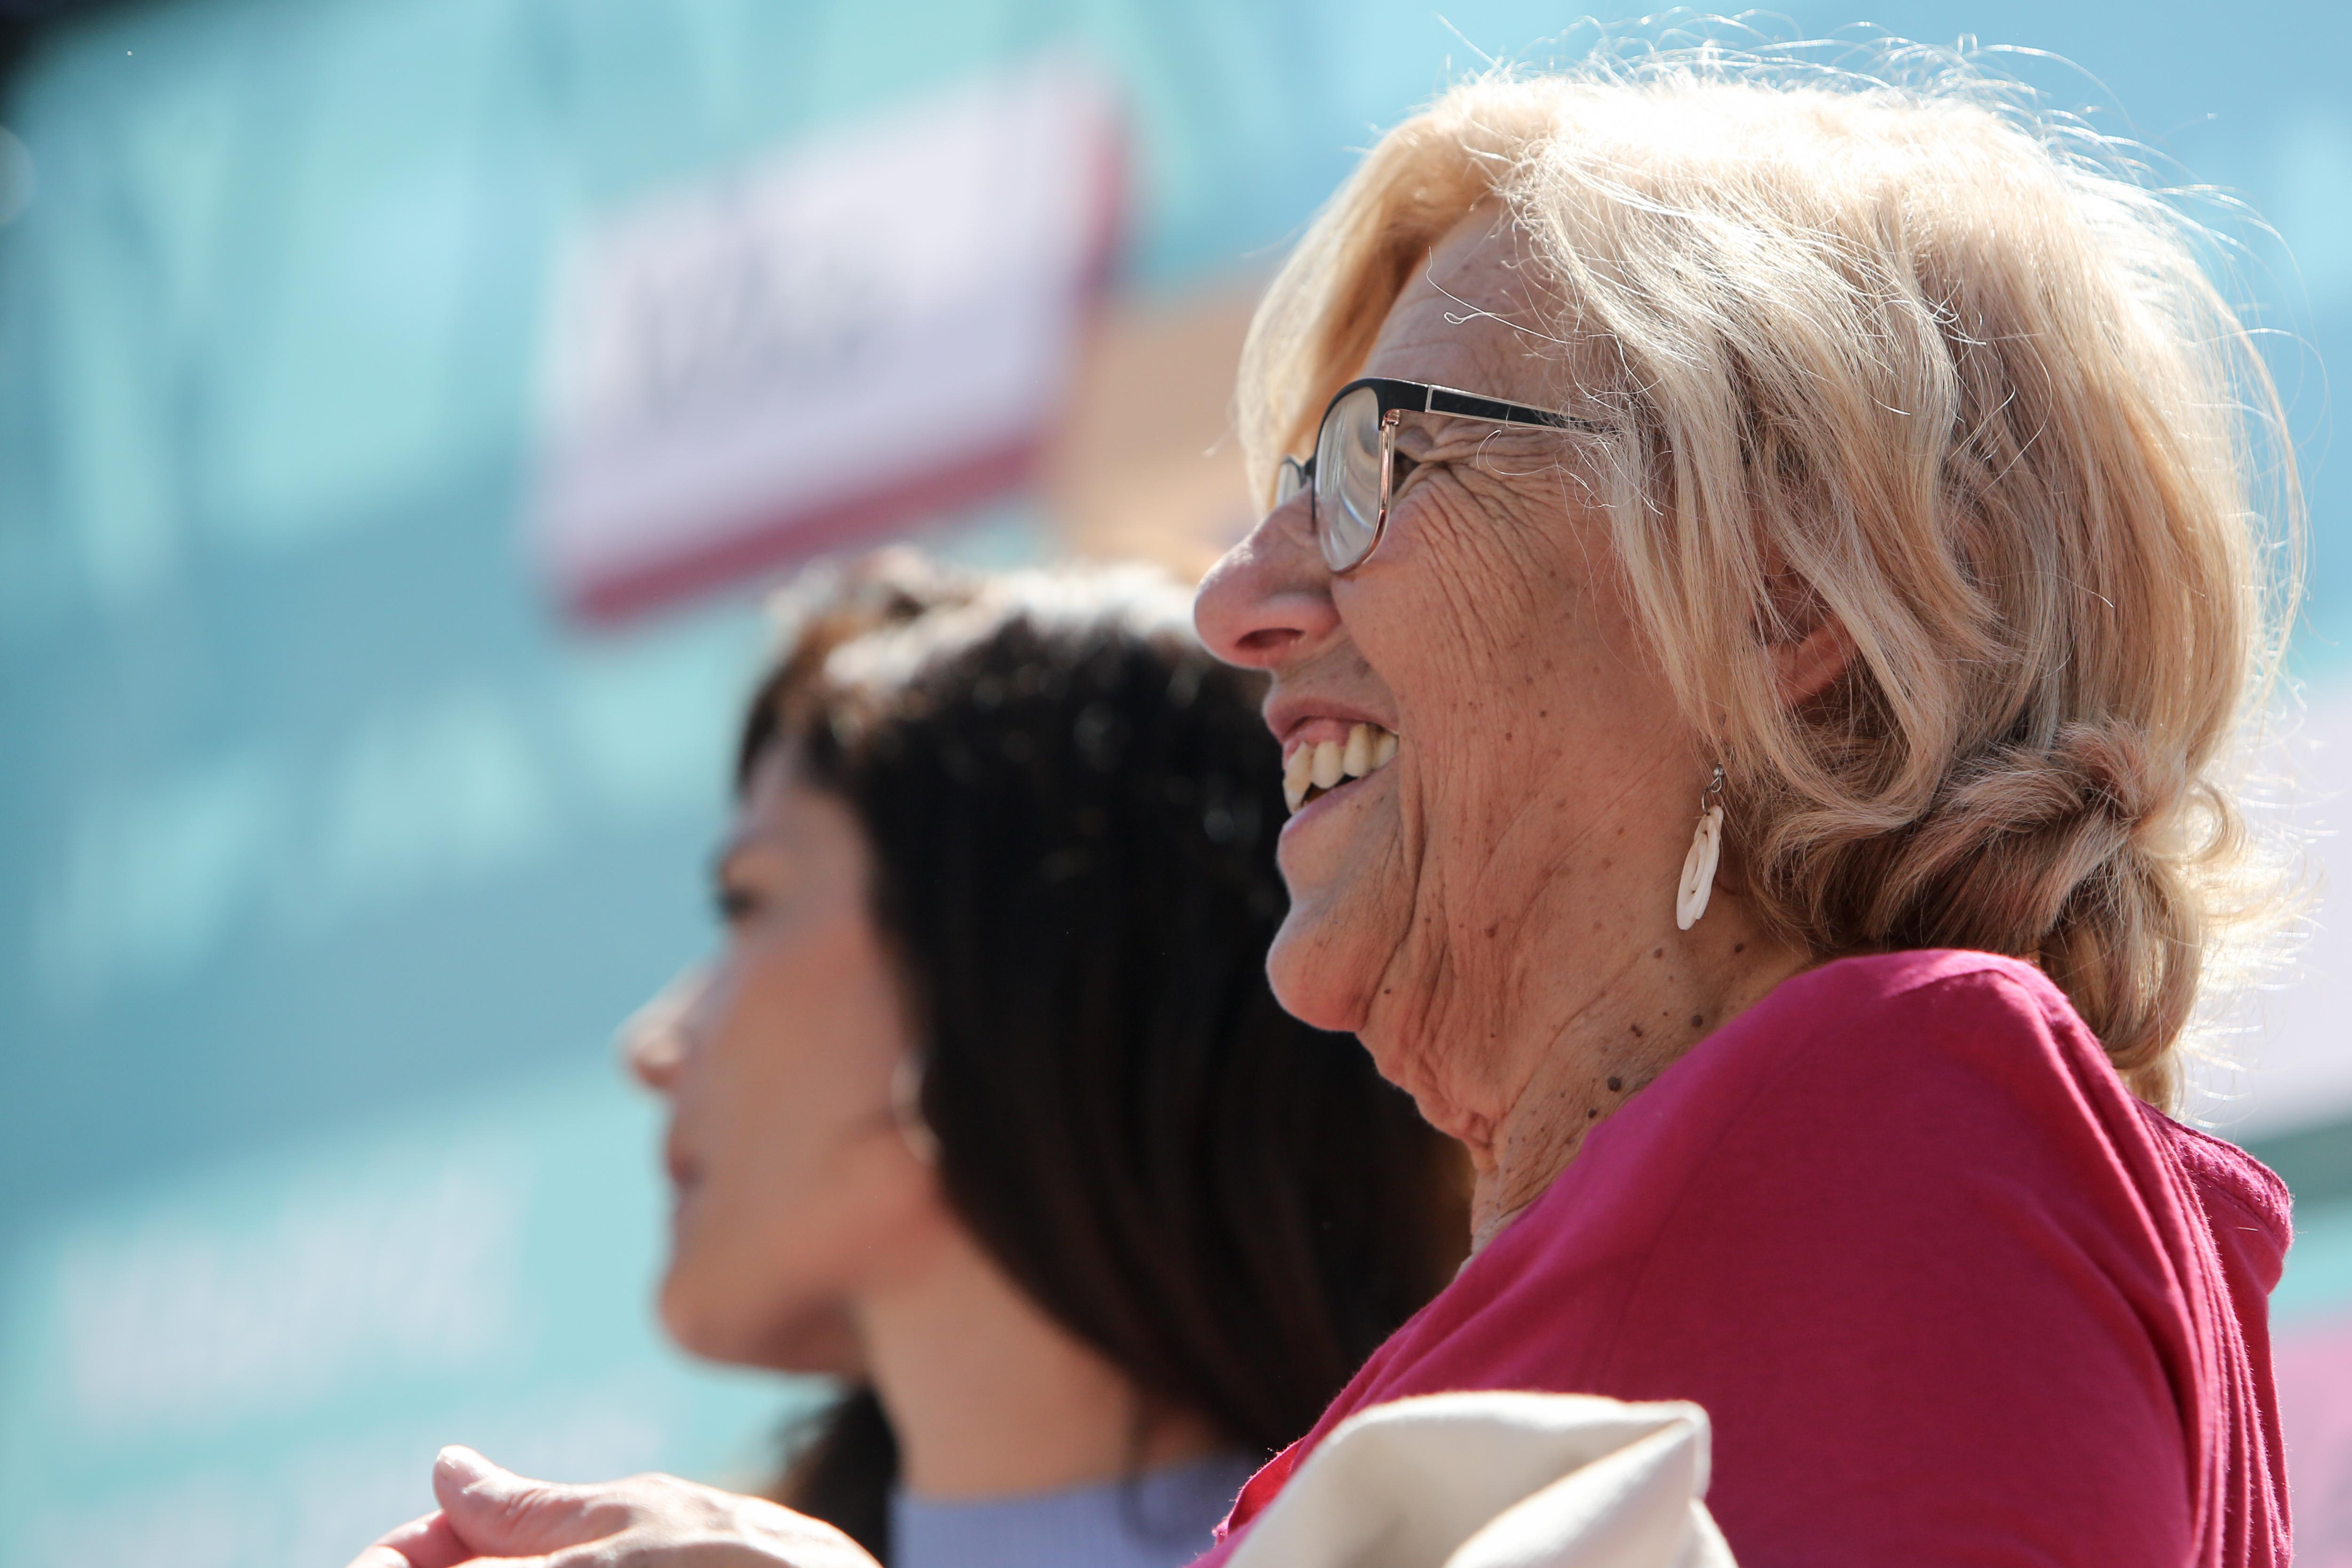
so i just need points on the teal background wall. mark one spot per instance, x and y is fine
(329, 855)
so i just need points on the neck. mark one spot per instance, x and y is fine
(1576, 1039)
(989, 1396)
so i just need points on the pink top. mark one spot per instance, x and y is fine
(1948, 1292)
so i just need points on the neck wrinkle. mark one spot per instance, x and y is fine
(1586, 1056)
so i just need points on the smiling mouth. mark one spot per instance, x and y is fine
(1314, 768)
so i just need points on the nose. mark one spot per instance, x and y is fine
(1269, 598)
(657, 1038)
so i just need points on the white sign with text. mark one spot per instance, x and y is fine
(876, 325)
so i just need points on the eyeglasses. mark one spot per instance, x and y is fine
(1350, 477)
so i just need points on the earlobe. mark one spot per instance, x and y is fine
(906, 1110)
(1808, 667)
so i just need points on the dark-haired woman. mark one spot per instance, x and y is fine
(987, 1108)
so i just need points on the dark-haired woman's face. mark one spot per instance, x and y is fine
(796, 1189)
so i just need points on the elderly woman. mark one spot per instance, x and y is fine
(1761, 586)
(1766, 593)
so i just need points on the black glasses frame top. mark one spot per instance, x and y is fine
(1396, 399)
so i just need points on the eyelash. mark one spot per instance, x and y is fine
(734, 905)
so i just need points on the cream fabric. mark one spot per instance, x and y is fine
(1498, 1480)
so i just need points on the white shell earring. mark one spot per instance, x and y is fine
(1706, 850)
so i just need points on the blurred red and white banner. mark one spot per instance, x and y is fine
(2314, 1367)
(874, 325)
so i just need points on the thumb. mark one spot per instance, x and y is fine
(497, 1514)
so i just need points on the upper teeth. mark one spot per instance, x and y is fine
(1367, 749)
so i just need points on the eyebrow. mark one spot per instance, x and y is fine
(736, 844)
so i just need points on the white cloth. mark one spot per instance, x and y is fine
(1498, 1480)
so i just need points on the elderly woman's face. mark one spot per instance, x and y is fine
(1542, 782)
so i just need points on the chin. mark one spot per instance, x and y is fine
(700, 1320)
(813, 1338)
(1307, 979)
(689, 1323)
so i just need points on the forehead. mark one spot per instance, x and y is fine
(779, 807)
(767, 787)
(1475, 315)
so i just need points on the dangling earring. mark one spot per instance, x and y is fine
(1706, 848)
(907, 1110)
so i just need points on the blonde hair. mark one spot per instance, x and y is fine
(1925, 365)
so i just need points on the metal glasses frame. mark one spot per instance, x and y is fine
(1397, 399)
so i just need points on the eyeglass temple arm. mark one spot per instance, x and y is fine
(1470, 405)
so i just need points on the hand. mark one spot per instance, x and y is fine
(487, 1514)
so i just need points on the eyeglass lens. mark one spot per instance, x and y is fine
(1348, 464)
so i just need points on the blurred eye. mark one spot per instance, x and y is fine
(735, 904)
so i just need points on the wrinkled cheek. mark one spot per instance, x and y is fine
(1409, 1054)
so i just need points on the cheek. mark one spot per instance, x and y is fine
(1515, 661)
(771, 1259)
(805, 1190)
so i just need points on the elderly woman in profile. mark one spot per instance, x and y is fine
(1762, 584)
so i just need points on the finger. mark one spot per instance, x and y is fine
(427, 1542)
(493, 1511)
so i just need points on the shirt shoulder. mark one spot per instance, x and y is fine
(1955, 1023)
(1972, 1045)
(1988, 990)
(2246, 1205)
(1926, 1258)
(1968, 1067)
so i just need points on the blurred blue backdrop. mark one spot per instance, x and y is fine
(331, 850)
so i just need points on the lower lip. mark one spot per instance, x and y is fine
(1314, 809)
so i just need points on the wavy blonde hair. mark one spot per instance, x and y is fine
(1931, 367)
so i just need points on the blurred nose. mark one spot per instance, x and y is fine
(1269, 599)
(657, 1038)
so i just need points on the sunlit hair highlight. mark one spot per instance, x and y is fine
(1925, 363)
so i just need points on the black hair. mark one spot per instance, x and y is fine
(1071, 811)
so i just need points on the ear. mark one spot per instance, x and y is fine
(1805, 668)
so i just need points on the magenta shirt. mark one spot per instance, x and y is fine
(1947, 1291)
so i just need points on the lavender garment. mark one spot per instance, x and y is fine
(1160, 1520)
